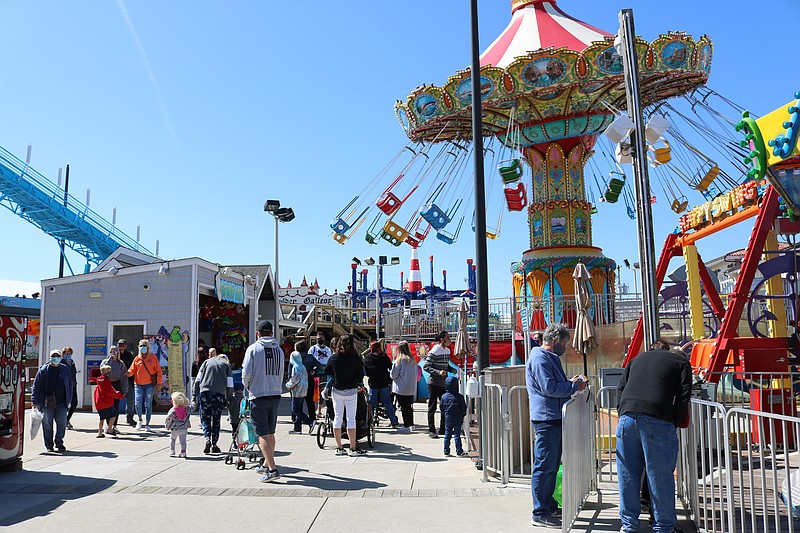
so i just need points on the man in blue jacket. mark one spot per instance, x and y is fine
(548, 390)
(52, 391)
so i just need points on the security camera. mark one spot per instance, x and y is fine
(146, 287)
(52, 289)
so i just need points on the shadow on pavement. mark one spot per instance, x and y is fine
(38, 495)
(388, 450)
(294, 476)
(80, 453)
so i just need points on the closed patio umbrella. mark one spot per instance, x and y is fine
(584, 340)
(463, 347)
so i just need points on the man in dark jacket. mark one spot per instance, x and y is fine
(127, 357)
(51, 393)
(436, 365)
(654, 395)
(377, 366)
(454, 408)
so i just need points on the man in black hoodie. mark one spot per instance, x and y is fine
(654, 396)
(377, 366)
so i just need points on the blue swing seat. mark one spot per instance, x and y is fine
(340, 226)
(435, 216)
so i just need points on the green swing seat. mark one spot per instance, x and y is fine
(510, 170)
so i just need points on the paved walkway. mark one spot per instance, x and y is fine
(130, 483)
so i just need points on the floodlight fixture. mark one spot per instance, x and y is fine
(270, 206)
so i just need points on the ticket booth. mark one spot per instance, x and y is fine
(12, 389)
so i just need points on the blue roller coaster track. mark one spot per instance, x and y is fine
(31, 196)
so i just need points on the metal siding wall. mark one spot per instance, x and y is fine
(166, 303)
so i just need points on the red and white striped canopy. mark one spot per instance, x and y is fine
(538, 24)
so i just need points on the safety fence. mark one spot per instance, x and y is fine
(509, 455)
(578, 459)
(739, 469)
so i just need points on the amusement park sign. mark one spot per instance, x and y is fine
(720, 207)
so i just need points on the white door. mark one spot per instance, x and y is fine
(75, 338)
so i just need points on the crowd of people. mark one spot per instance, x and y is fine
(653, 399)
(336, 372)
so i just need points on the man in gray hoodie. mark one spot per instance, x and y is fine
(262, 375)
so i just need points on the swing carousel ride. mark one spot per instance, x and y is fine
(550, 86)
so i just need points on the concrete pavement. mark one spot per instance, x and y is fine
(130, 483)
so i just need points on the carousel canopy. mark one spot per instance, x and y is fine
(539, 24)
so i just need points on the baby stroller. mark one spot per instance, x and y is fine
(365, 426)
(245, 441)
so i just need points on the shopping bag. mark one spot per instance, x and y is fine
(246, 433)
(316, 390)
(794, 479)
(36, 422)
(557, 492)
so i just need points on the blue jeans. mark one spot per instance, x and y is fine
(144, 401)
(59, 414)
(385, 396)
(546, 458)
(455, 433)
(646, 444)
(300, 417)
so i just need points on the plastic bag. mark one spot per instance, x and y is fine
(557, 492)
(794, 479)
(36, 422)
(246, 433)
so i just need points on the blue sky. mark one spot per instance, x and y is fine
(187, 116)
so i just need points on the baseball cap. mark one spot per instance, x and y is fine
(264, 326)
(122, 341)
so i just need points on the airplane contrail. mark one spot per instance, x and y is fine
(148, 68)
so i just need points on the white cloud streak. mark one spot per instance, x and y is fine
(150, 74)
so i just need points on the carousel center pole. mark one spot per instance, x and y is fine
(482, 289)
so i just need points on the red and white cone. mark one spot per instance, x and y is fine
(414, 274)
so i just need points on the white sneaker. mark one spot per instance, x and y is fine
(139, 425)
(147, 428)
(172, 453)
(262, 470)
(182, 455)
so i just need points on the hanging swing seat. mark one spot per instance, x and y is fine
(708, 178)
(631, 212)
(679, 205)
(594, 210)
(340, 226)
(516, 197)
(660, 153)
(341, 238)
(614, 188)
(416, 239)
(450, 238)
(510, 170)
(446, 237)
(435, 216)
(394, 233)
(389, 203)
(492, 233)
(371, 238)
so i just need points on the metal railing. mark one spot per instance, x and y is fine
(605, 440)
(495, 456)
(578, 459)
(520, 439)
(735, 469)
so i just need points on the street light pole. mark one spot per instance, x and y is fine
(482, 282)
(277, 327)
(280, 214)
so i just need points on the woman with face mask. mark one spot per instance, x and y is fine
(146, 372)
(66, 359)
